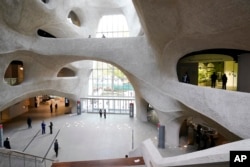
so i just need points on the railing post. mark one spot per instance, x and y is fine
(9, 161)
(24, 160)
(132, 139)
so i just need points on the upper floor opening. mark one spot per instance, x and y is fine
(14, 74)
(210, 67)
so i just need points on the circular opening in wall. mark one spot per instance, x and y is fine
(73, 18)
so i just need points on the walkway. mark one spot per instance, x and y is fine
(81, 137)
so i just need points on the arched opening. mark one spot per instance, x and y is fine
(14, 75)
(109, 89)
(196, 134)
(66, 72)
(201, 65)
(73, 18)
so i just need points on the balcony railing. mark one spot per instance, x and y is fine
(11, 158)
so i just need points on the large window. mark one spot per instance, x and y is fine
(112, 26)
(107, 80)
(109, 88)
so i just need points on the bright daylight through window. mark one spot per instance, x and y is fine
(109, 88)
(112, 26)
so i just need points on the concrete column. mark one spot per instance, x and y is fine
(243, 73)
(141, 108)
(161, 136)
(1, 135)
(172, 123)
(172, 133)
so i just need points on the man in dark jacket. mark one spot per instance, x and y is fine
(56, 147)
(6, 143)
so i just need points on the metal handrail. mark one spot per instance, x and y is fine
(26, 157)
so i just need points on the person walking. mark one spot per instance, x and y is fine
(6, 143)
(224, 81)
(43, 125)
(51, 127)
(29, 122)
(56, 147)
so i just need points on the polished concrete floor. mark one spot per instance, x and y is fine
(81, 137)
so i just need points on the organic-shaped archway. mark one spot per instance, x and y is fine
(14, 74)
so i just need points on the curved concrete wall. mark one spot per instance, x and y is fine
(172, 29)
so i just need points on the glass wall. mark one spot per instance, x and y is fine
(113, 105)
(109, 88)
(200, 68)
(229, 68)
(112, 26)
(107, 80)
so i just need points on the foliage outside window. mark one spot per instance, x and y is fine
(107, 80)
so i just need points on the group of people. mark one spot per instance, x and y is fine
(56, 145)
(223, 78)
(6, 145)
(6, 142)
(104, 113)
(43, 125)
(186, 79)
(203, 139)
(51, 107)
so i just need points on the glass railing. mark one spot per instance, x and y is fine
(10, 158)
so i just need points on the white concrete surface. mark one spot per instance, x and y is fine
(170, 29)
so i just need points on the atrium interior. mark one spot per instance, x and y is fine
(171, 75)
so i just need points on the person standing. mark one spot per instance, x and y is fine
(100, 112)
(43, 125)
(51, 127)
(29, 122)
(186, 78)
(104, 113)
(6, 143)
(213, 80)
(224, 81)
(51, 108)
(56, 147)
(198, 136)
(56, 106)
